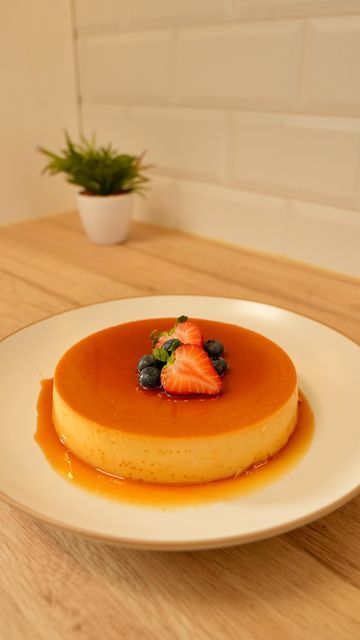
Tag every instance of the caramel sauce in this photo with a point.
(104, 485)
(97, 378)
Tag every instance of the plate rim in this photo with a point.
(180, 295)
(179, 544)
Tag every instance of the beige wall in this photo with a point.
(250, 110)
(38, 99)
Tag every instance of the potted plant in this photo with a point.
(108, 181)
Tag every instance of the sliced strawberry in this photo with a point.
(185, 331)
(189, 371)
(163, 338)
(189, 333)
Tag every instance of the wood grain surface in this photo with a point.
(53, 585)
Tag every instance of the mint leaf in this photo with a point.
(161, 354)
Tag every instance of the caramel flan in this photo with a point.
(103, 417)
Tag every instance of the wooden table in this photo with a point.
(53, 585)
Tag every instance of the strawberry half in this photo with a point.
(189, 371)
(184, 330)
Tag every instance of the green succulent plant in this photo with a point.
(99, 170)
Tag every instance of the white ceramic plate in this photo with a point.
(328, 365)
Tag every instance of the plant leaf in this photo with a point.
(100, 170)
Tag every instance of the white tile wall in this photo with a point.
(156, 12)
(168, 134)
(296, 156)
(249, 109)
(101, 15)
(255, 65)
(250, 220)
(331, 79)
(325, 236)
(161, 204)
(134, 66)
(252, 9)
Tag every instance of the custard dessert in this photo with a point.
(231, 421)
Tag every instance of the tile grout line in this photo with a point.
(76, 62)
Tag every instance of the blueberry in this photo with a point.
(220, 365)
(149, 377)
(149, 361)
(214, 348)
(171, 345)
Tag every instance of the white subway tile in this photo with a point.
(160, 205)
(100, 15)
(324, 236)
(185, 142)
(253, 65)
(252, 9)
(160, 12)
(252, 221)
(136, 66)
(305, 157)
(331, 74)
(242, 218)
(109, 124)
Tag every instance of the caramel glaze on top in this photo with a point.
(97, 377)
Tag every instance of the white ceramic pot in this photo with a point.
(106, 219)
